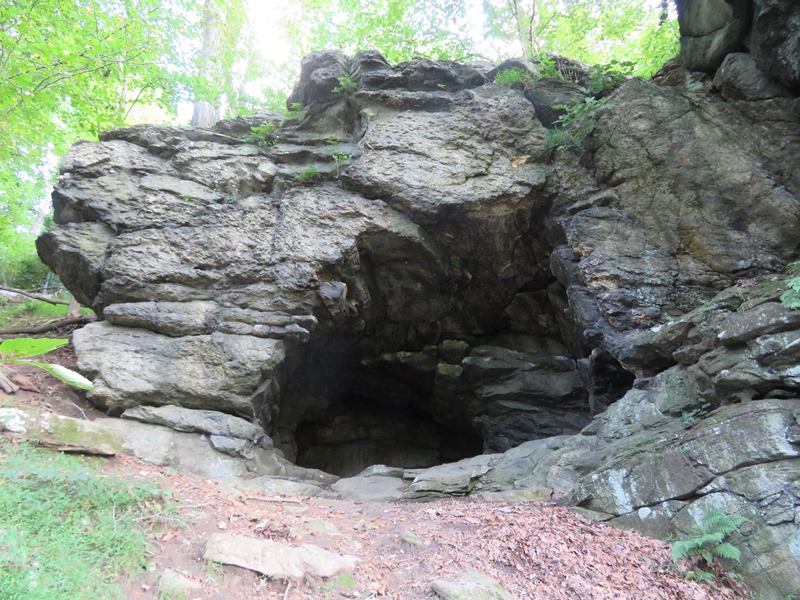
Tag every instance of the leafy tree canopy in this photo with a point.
(69, 69)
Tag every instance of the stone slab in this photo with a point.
(275, 559)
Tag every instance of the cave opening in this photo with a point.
(344, 407)
(355, 435)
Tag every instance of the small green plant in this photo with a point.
(706, 306)
(578, 121)
(790, 298)
(441, 86)
(346, 86)
(189, 199)
(332, 141)
(19, 351)
(214, 572)
(690, 416)
(604, 79)
(338, 158)
(709, 543)
(515, 77)
(295, 111)
(308, 175)
(67, 532)
(548, 69)
(263, 135)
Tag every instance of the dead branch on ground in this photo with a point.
(47, 299)
(49, 325)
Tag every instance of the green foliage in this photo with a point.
(339, 158)
(604, 79)
(706, 306)
(263, 135)
(399, 29)
(19, 351)
(595, 31)
(790, 298)
(515, 77)
(71, 69)
(66, 532)
(295, 111)
(20, 267)
(32, 312)
(346, 86)
(709, 542)
(309, 174)
(690, 416)
(577, 123)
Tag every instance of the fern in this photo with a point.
(790, 298)
(709, 542)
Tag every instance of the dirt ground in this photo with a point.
(536, 550)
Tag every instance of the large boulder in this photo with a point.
(410, 274)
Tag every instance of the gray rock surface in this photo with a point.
(370, 489)
(212, 422)
(194, 453)
(58, 432)
(274, 559)
(471, 586)
(173, 586)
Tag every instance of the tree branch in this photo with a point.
(49, 325)
(34, 296)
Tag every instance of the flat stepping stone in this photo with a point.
(472, 586)
(370, 488)
(172, 584)
(274, 559)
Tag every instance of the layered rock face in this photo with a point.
(406, 274)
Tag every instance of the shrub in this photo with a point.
(604, 79)
(295, 111)
(21, 267)
(346, 86)
(576, 123)
(515, 77)
(263, 135)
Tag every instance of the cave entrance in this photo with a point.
(356, 434)
(343, 409)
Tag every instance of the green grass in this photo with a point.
(67, 533)
(31, 311)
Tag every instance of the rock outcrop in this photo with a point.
(408, 274)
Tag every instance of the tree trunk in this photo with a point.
(663, 16)
(205, 114)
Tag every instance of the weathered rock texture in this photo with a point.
(407, 275)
